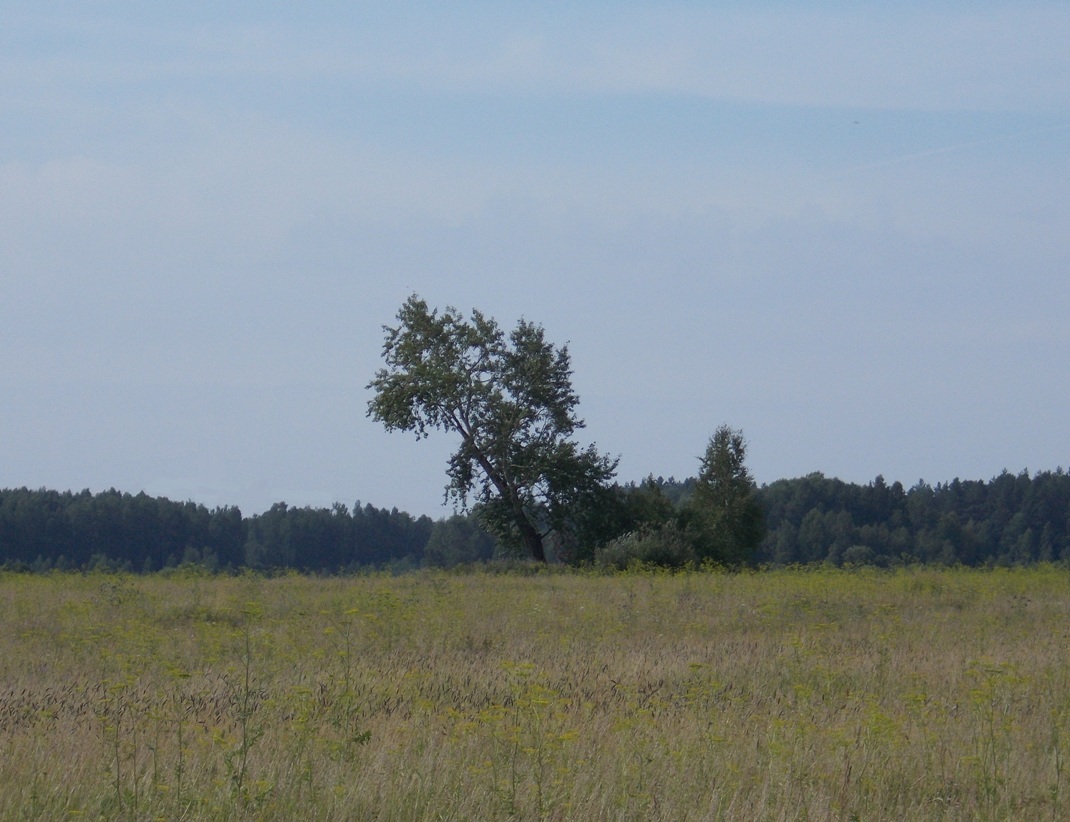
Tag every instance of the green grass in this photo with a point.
(914, 694)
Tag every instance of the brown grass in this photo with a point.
(917, 694)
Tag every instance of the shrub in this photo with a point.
(859, 555)
(662, 545)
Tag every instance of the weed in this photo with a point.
(780, 695)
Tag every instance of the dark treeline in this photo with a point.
(1011, 519)
(43, 529)
(335, 539)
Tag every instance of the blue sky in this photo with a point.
(843, 228)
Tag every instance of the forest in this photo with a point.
(43, 529)
(1012, 519)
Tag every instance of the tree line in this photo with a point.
(45, 529)
(524, 487)
(1012, 519)
(1009, 520)
(509, 399)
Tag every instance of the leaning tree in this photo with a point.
(510, 399)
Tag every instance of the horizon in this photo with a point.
(449, 510)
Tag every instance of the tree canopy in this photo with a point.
(510, 399)
(713, 518)
(1012, 519)
(724, 505)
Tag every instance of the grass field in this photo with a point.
(914, 694)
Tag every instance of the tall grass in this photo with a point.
(920, 694)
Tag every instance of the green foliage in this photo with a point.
(859, 555)
(43, 529)
(510, 399)
(47, 530)
(718, 519)
(1010, 520)
(334, 539)
(665, 546)
(458, 540)
(723, 514)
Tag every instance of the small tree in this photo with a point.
(511, 401)
(723, 512)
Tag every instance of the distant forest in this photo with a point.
(1009, 520)
(40, 530)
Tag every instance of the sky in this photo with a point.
(843, 228)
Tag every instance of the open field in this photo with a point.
(915, 694)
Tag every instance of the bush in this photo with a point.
(859, 555)
(663, 545)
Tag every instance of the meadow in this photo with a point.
(781, 695)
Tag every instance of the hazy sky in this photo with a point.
(843, 228)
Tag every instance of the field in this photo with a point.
(914, 694)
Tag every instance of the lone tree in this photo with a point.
(724, 510)
(511, 401)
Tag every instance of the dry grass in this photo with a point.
(919, 694)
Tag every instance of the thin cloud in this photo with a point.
(958, 147)
(981, 57)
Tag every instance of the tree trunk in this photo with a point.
(528, 534)
(532, 540)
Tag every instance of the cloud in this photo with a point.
(1011, 57)
(974, 56)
